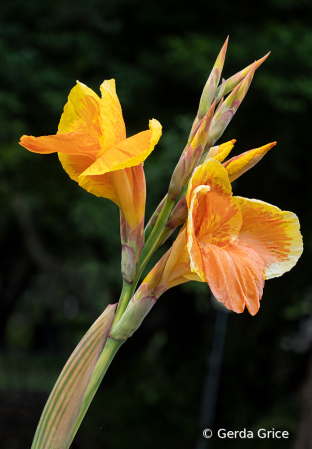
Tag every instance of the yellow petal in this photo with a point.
(81, 112)
(127, 153)
(220, 152)
(242, 163)
(112, 122)
(210, 173)
(273, 233)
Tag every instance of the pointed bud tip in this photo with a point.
(260, 61)
(269, 146)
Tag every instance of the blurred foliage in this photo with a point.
(60, 251)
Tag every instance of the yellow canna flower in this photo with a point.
(93, 149)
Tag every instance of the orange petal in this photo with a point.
(273, 233)
(126, 188)
(214, 217)
(235, 275)
(74, 165)
(112, 122)
(210, 173)
(102, 186)
(81, 112)
(70, 143)
(127, 153)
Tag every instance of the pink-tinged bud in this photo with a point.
(201, 135)
(220, 152)
(221, 57)
(221, 91)
(132, 318)
(128, 263)
(225, 113)
(211, 85)
(242, 163)
(132, 237)
(178, 214)
(234, 80)
(184, 169)
(218, 127)
(236, 97)
(208, 94)
(177, 177)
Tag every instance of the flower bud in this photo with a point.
(128, 264)
(132, 318)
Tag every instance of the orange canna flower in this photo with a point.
(232, 243)
(93, 149)
(235, 243)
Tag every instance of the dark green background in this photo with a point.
(59, 245)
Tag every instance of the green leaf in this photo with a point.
(56, 427)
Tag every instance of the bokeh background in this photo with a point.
(59, 245)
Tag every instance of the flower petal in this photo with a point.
(240, 164)
(74, 165)
(273, 233)
(101, 185)
(127, 153)
(68, 143)
(235, 275)
(214, 217)
(112, 122)
(210, 173)
(81, 112)
(220, 152)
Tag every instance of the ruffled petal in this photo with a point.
(127, 153)
(273, 233)
(73, 143)
(112, 122)
(195, 217)
(220, 214)
(210, 173)
(81, 112)
(235, 275)
(214, 217)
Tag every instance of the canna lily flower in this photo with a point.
(93, 149)
(235, 243)
(232, 243)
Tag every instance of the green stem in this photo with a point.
(154, 239)
(101, 367)
(125, 296)
(128, 290)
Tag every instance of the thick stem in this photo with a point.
(125, 296)
(101, 367)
